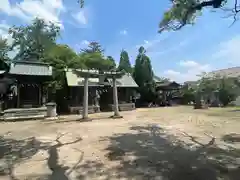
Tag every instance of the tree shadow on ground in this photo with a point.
(231, 138)
(148, 152)
(60, 172)
(14, 151)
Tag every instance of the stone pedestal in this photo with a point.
(51, 109)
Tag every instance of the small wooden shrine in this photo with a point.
(25, 88)
(169, 92)
(100, 91)
(29, 83)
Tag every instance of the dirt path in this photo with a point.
(144, 145)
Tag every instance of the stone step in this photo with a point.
(14, 118)
(24, 113)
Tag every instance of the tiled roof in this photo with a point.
(30, 68)
(229, 72)
(125, 81)
(74, 80)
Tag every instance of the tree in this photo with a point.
(93, 58)
(3, 49)
(60, 57)
(143, 75)
(112, 62)
(33, 40)
(93, 47)
(184, 12)
(223, 88)
(124, 63)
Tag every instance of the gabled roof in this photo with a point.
(74, 80)
(125, 81)
(30, 68)
(233, 72)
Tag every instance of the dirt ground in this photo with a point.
(173, 143)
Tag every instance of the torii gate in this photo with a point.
(114, 75)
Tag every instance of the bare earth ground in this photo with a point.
(174, 143)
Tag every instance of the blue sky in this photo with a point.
(126, 24)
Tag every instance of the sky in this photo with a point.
(210, 44)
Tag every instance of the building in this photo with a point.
(100, 92)
(232, 73)
(25, 91)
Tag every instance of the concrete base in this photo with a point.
(51, 118)
(116, 117)
(84, 119)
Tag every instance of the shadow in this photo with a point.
(14, 151)
(150, 153)
(80, 120)
(235, 110)
(146, 152)
(59, 172)
(231, 138)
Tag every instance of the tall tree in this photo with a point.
(112, 62)
(93, 58)
(93, 47)
(140, 74)
(33, 40)
(124, 63)
(143, 75)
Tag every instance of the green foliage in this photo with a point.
(93, 47)
(112, 63)
(97, 61)
(183, 12)
(143, 75)
(33, 40)
(226, 89)
(188, 94)
(3, 49)
(124, 63)
(94, 58)
(61, 57)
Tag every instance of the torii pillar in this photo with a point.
(114, 76)
(85, 99)
(115, 99)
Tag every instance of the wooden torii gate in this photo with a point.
(86, 74)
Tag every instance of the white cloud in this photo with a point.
(191, 71)
(188, 63)
(146, 42)
(82, 44)
(80, 17)
(123, 32)
(49, 10)
(85, 42)
(228, 51)
(4, 32)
